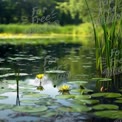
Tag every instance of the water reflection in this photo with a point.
(17, 98)
(47, 84)
(59, 62)
(37, 59)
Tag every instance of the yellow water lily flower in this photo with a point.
(40, 76)
(64, 88)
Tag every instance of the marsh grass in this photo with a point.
(27, 29)
(111, 39)
(34, 29)
(85, 29)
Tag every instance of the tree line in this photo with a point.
(35, 11)
(54, 11)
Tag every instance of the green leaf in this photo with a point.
(77, 82)
(35, 95)
(85, 101)
(112, 114)
(65, 109)
(98, 95)
(28, 101)
(97, 79)
(49, 114)
(29, 109)
(118, 101)
(65, 96)
(112, 95)
(80, 108)
(79, 97)
(105, 106)
(3, 97)
(106, 95)
(5, 106)
(105, 79)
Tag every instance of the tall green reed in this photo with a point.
(110, 42)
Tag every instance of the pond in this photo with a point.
(67, 66)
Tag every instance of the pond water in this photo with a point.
(61, 63)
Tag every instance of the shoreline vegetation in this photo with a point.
(45, 39)
(37, 30)
(34, 33)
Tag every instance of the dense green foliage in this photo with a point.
(24, 11)
(108, 45)
(47, 29)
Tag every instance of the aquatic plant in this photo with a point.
(105, 107)
(30, 109)
(108, 44)
(40, 76)
(113, 114)
(64, 88)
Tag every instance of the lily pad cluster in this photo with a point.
(30, 109)
(35, 95)
(5, 106)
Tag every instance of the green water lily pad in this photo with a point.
(13, 74)
(28, 91)
(10, 81)
(23, 86)
(55, 71)
(97, 79)
(84, 102)
(81, 91)
(87, 90)
(79, 97)
(29, 109)
(106, 95)
(77, 82)
(112, 95)
(45, 101)
(118, 101)
(102, 79)
(5, 69)
(90, 102)
(35, 95)
(80, 108)
(105, 79)
(28, 101)
(5, 106)
(65, 109)
(49, 114)
(7, 90)
(112, 114)
(3, 97)
(105, 106)
(98, 94)
(65, 96)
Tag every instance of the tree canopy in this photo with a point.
(63, 11)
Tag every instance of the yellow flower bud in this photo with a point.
(40, 76)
